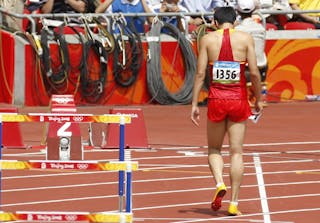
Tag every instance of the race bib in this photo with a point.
(226, 72)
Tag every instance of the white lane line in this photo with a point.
(153, 180)
(225, 201)
(181, 147)
(283, 143)
(226, 153)
(156, 169)
(193, 147)
(233, 218)
(151, 193)
(195, 219)
(245, 145)
(302, 151)
(227, 164)
(59, 187)
(58, 200)
(205, 155)
(52, 174)
(24, 154)
(262, 189)
(150, 180)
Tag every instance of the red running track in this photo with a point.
(281, 183)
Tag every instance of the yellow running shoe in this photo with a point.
(233, 210)
(217, 199)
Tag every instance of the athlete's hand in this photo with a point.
(195, 115)
(258, 105)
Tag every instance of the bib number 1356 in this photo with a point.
(226, 72)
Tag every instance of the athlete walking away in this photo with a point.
(226, 51)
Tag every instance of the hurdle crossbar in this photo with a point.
(66, 216)
(54, 117)
(68, 165)
(121, 166)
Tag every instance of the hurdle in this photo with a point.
(122, 166)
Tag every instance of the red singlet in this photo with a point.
(227, 96)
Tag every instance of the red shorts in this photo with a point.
(234, 110)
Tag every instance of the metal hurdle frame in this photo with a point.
(121, 173)
(40, 117)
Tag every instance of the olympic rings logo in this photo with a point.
(77, 118)
(82, 166)
(62, 100)
(71, 217)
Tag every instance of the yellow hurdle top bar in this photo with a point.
(55, 117)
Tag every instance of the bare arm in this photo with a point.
(147, 10)
(254, 74)
(179, 19)
(47, 7)
(304, 16)
(174, 8)
(77, 5)
(199, 79)
(103, 6)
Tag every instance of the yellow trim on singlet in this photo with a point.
(221, 30)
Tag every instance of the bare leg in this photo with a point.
(236, 133)
(216, 132)
(215, 135)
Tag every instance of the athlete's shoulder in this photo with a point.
(243, 35)
(209, 36)
(214, 34)
(241, 32)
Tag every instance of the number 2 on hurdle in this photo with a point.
(62, 130)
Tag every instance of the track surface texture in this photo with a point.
(173, 183)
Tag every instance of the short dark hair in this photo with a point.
(225, 15)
